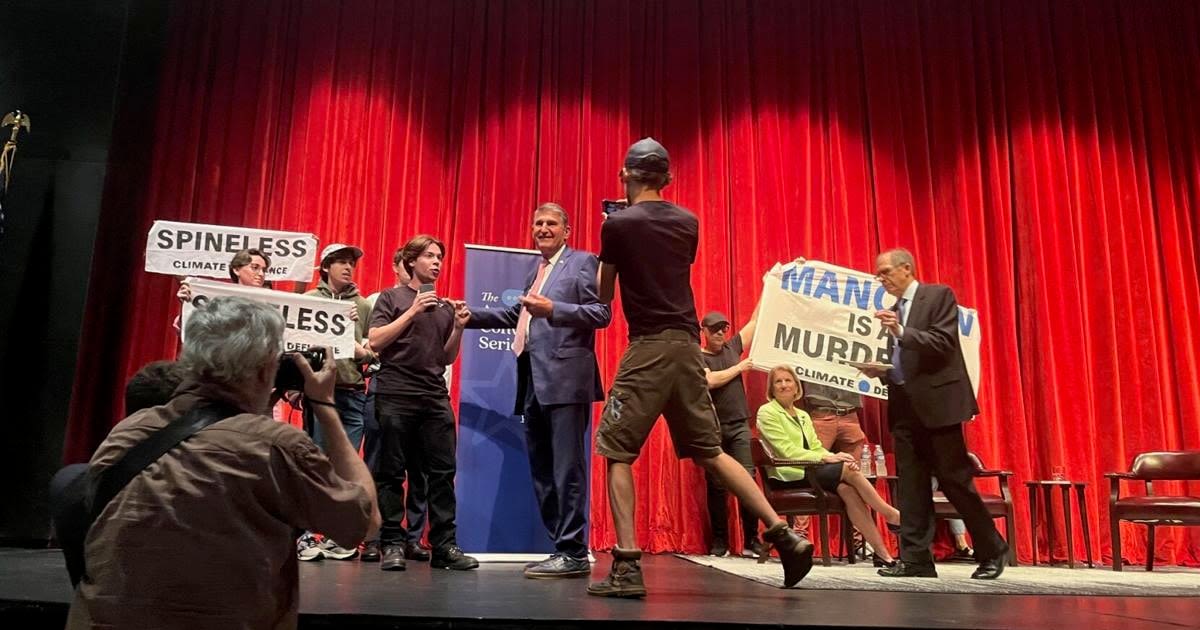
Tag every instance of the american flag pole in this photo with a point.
(15, 119)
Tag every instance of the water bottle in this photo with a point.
(864, 463)
(880, 462)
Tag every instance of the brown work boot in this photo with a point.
(625, 578)
(795, 553)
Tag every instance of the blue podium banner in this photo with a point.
(497, 511)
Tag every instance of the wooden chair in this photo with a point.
(1152, 509)
(793, 500)
(998, 505)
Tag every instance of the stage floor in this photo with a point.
(34, 592)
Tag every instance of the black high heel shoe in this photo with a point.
(881, 563)
(895, 529)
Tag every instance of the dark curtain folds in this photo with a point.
(1039, 157)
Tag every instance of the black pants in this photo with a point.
(735, 440)
(556, 437)
(417, 438)
(416, 502)
(923, 453)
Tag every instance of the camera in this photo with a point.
(289, 378)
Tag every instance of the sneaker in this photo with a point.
(369, 551)
(559, 566)
(625, 578)
(452, 558)
(332, 550)
(753, 549)
(393, 558)
(307, 548)
(719, 548)
(795, 553)
(416, 551)
(530, 565)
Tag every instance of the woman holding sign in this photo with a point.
(790, 433)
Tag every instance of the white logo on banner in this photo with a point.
(818, 315)
(195, 249)
(308, 320)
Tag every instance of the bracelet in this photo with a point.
(314, 401)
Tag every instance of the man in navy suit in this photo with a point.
(557, 382)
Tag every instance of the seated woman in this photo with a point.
(790, 433)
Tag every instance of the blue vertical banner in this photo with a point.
(497, 511)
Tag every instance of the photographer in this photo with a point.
(204, 536)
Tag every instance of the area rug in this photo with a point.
(956, 578)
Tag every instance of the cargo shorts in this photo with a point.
(659, 374)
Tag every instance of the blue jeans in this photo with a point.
(350, 404)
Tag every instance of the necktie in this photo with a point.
(518, 344)
(897, 370)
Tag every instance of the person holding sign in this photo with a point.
(337, 283)
(791, 434)
(248, 268)
(723, 370)
(417, 334)
(929, 397)
(651, 245)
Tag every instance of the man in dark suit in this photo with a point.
(929, 398)
(557, 382)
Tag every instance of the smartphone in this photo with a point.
(428, 288)
(608, 206)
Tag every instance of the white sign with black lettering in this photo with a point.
(308, 321)
(196, 249)
(818, 317)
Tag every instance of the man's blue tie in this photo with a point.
(897, 375)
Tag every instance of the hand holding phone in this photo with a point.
(609, 206)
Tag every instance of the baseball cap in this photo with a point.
(713, 318)
(648, 155)
(337, 247)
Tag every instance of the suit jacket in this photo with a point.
(786, 437)
(935, 374)
(561, 348)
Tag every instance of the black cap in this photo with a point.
(713, 318)
(648, 155)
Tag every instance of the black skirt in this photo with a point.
(828, 476)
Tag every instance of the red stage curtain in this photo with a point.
(1039, 157)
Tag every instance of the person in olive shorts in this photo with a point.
(651, 245)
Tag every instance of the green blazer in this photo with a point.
(786, 434)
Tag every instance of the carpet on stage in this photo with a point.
(956, 578)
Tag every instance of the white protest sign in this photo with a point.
(816, 316)
(197, 249)
(308, 321)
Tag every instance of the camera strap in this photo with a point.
(113, 479)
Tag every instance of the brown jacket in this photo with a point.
(205, 536)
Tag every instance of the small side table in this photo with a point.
(1047, 487)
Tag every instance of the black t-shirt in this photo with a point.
(730, 398)
(653, 245)
(413, 364)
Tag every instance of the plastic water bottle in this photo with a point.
(865, 463)
(880, 462)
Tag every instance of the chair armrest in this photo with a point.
(795, 463)
(993, 473)
(1114, 487)
(1120, 475)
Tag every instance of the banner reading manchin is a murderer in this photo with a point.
(815, 316)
